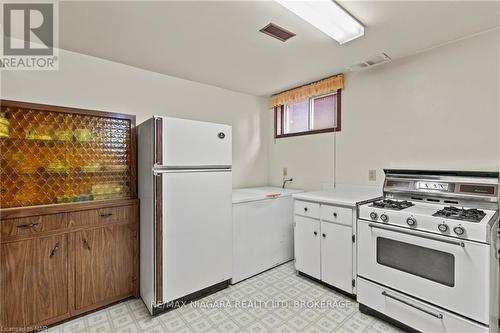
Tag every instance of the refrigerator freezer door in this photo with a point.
(188, 143)
(197, 231)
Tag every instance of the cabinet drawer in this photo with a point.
(414, 313)
(304, 208)
(337, 214)
(102, 216)
(33, 225)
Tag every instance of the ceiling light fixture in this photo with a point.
(328, 17)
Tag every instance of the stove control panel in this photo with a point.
(459, 230)
(443, 227)
(411, 222)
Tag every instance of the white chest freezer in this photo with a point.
(262, 229)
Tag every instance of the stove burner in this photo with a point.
(392, 204)
(455, 213)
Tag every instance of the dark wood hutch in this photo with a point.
(68, 212)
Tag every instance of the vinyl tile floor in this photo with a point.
(278, 301)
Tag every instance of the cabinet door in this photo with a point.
(103, 259)
(307, 246)
(34, 281)
(336, 255)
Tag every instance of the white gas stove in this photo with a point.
(458, 222)
(430, 249)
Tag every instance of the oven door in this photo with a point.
(451, 273)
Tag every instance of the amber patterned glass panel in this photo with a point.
(52, 157)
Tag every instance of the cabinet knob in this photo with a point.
(27, 226)
(324, 235)
(305, 209)
(86, 244)
(315, 233)
(334, 214)
(54, 250)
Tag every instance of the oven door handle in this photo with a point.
(402, 231)
(437, 315)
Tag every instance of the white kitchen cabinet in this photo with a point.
(336, 255)
(336, 214)
(331, 257)
(324, 246)
(308, 209)
(307, 246)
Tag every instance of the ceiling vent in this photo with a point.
(372, 62)
(277, 32)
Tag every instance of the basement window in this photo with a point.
(319, 114)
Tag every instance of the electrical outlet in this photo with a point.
(285, 172)
(372, 175)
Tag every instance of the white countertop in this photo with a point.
(260, 193)
(343, 194)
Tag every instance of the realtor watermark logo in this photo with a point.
(29, 36)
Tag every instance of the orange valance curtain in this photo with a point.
(321, 87)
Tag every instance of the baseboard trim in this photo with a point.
(161, 308)
(343, 292)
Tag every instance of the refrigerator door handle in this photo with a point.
(158, 172)
(189, 167)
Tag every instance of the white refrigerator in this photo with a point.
(185, 186)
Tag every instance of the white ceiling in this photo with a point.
(218, 43)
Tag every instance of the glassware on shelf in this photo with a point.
(117, 167)
(107, 190)
(84, 197)
(58, 167)
(64, 198)
(74, 198)
(83, 134)
(63, 135)
(91, 167)
(36, 171)
(37, 134)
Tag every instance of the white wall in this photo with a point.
(436, 110)
(93, 83)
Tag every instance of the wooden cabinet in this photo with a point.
(307, 246)
(103, 269)
(73, 259)
(34, 281)
(324, 245)
(96, 217)
(68, 212)
(33, 225)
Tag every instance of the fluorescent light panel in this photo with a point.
(328, 17)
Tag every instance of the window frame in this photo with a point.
(281, 109)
